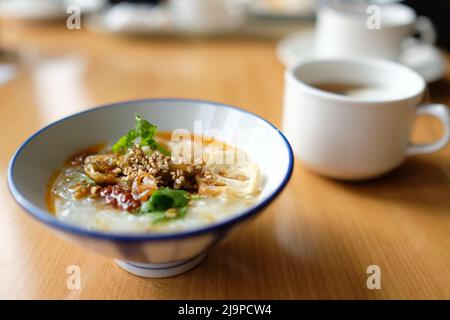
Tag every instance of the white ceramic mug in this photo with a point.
(345, 31)
(350, 137)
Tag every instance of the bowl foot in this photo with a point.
(160, 270)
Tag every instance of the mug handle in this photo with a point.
(426, 30)
(440, 112)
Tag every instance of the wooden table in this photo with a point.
(315, 241)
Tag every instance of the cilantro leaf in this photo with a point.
(165, 198)
(163, 150)
(146, 131)
(143, 130)
(125, 142)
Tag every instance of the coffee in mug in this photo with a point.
(356, 90)
(352, 118)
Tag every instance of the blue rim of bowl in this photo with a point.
(49, 219)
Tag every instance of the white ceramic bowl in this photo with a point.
(153, 255)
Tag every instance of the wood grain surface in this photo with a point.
(315, 241)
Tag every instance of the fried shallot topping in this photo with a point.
(128, 170)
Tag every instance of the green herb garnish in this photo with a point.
(143, 130)
(165, 198)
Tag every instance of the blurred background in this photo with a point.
(67, 55)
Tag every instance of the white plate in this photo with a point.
(132, 19)
(143, 19)
(427, 60)
(33, 10)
